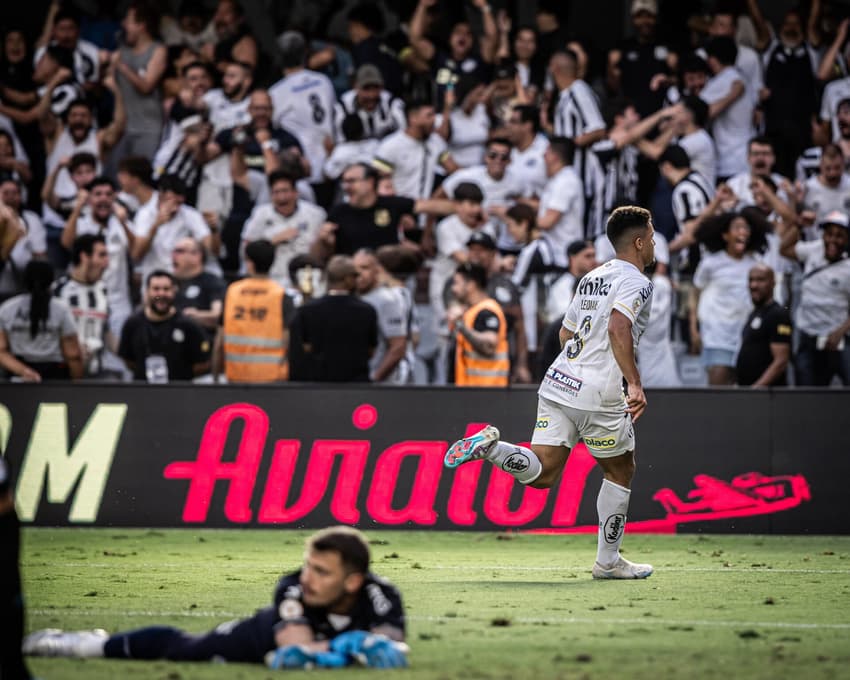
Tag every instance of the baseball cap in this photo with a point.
(650, 6)
(479, 238)
(368, 74)
(837, 218)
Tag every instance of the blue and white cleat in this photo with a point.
(474, 447)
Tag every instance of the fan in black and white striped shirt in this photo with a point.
(83, 290)
(577, 114)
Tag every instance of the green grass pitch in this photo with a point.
(479, 605)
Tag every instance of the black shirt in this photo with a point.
(342, 332)
(766, 325)
(199, 292)
(638, 64)
(369, 227)
(179, 339)
(252, 149)
(378, 604)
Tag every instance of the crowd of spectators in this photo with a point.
(410, 192)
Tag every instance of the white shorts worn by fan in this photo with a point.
(606, 434)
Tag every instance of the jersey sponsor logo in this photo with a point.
(562, 381)
(606, 443)
(589, 305)
(783, 329)
(178, 335)
(595, 286)
(642, 297)
(541, 424)
(516, 462)
(755, 324)
(612, 528)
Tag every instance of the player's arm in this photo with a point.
(564, 336)
(622, 345)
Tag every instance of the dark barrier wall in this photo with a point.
(304, 456)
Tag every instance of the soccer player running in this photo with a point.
(582, 394)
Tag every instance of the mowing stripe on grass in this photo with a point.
(637, 621)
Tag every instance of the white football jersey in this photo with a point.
(304, 104)
(585, 375)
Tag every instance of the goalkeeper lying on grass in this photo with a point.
(331, 613)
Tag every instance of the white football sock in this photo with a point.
(612, 505)
(518, 461)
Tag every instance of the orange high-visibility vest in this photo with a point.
(476, 370)
(254, 334)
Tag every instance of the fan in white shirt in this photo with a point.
(497, 181)
(523, 130)
(561, 210)
(730, 107)
(288, 223)
(720, 301)
(829, 190)
(159, 226)
(304, 103)
(760, 159)
(411, 156)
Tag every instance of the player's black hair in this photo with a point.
(676, 156)
(352, 128)
(473, 272)
(416, 103)
(369, 15)
(722, 48)
(138, 167)
(698, 109)
(38, 275)
(261, 254)
(529, 114)
(85, 244)
(469, 191)
(710, 232)
(623, 222)
(351, 545)
(79, 102)
(101, 180)
(81, 158)
(564, 148)
(174, 184)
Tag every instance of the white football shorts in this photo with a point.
(605, 433)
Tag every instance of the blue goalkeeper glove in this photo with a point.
(297, 657)
(371, 649)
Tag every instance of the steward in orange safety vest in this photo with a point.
(481, 355)
(254, 337)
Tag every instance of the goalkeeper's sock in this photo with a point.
(518, 461)
(612, 504)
